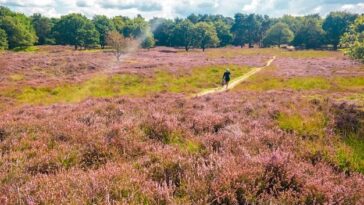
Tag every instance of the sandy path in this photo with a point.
(236, 81)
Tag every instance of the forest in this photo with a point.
(337, 30)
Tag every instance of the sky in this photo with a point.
(181, 8)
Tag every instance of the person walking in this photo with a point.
(226, 78)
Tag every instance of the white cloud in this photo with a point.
(181, 8)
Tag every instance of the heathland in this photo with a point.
(78, 127)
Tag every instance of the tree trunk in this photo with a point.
(203, 49)
(335, 46)
(76, 47)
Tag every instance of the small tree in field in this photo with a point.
(119, 43)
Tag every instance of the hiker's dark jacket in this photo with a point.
(226, 76)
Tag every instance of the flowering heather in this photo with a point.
(282, 146)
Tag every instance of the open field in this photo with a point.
(77, 127)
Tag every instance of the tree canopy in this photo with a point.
(43, 28)
(76, 30)
(103, 25)
(206, 35)
(335, 25)
(353, 40)
(278, 34)
(3, 40)
(195, 31)
(18, 28)
(310, 34)
(184, 33)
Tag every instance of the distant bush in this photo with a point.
(93, 158)
(349, 120)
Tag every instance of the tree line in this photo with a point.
(195, 31)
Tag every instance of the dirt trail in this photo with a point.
(236, 81)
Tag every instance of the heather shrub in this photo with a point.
(275, 181)
(47, 167)
(207, 122)
(125, 146)
(61, 137)
(2, 134)
(169, 172)
(349, 120)
(161, 127)
(93, 157)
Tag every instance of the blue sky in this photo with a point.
(181, 8)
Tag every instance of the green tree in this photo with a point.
(120, 23)
(18, 28)
(278, 34)
(162, 31)
(335, 25)
(206, 35)
(310, 35)
(353, 40)
(87, 36)
(3, 40)
(76, 30)
(43, 28)
(223, 32)
(294, 23)
(246, 29)
(184, 34)
(148, 42)
(265, 24)
(135, 28)
(103, 25)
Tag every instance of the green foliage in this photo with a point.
(264, 83)
(184, 34)
(206, 35)
(278, 34)
(43, 27)
(194, 31)
(223, 33)
(119, 23)
(26, 49)
(103, 25)
(312, 126)
(249, 28)
(353, 40)
(310, 35)
(18, 28)
(353, 155)
(148, 42)
(162, 31)
(294, 23)
(135, 28)
(76, 30)
(88, 36)
(336, 24)
(3, 40)
(128, 84)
